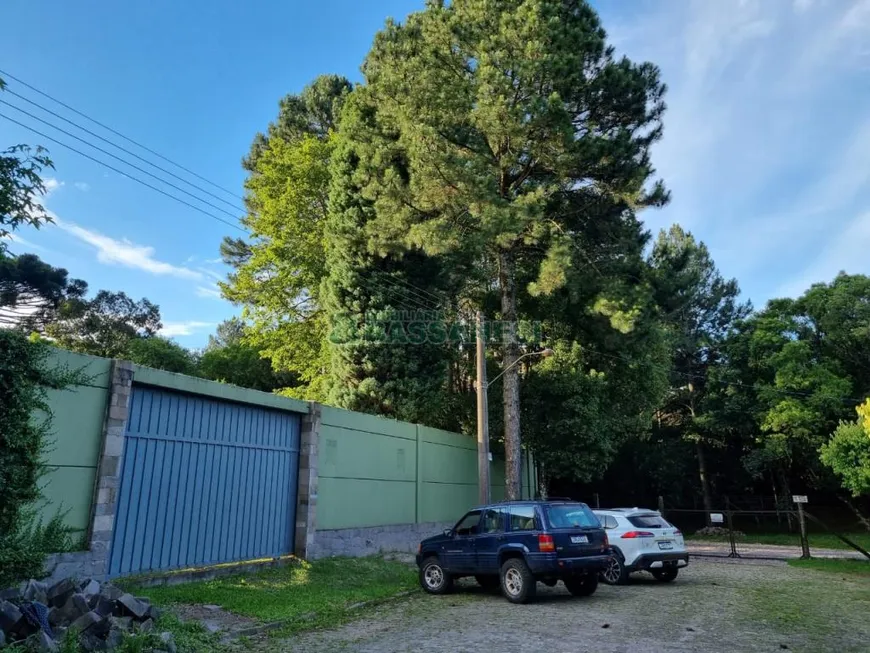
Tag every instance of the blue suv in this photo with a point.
(514, 545)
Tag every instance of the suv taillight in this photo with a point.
(633, 534)
(546, 544)
(678, 532)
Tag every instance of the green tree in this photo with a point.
(21, 186)
(847, 453)
(700, 309)
(161, 354)
(278, 270)
(105, 325)
(507, 121)
(31, 291)
(229, 358)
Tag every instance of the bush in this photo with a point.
(24, 379)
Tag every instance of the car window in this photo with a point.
(648, 521)
(572, 515)
(493, 521)
(523, 518)
(468, 525)
(608, 521)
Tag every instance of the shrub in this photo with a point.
(25, 421)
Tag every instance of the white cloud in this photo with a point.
(15, 238)
(82, 186)
(51, 184)
(846, 252)
(173, 329)
(209, 292)
(212, 273)
(128, 254)
(766, 135)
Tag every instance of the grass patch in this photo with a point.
(850, 567)
(818, 540)
(809, 607)
(303, 595)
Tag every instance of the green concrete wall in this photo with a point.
(372, 471)
(76, 434)
(375, 472)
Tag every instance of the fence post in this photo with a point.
(662, 505)
(731, 539)
(805, 544)
(597, 501)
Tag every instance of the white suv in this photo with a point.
(641, 541)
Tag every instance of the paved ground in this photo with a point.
(712, 606)
(767, 551)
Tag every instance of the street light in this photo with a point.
(482, 409)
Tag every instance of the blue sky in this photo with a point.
(766, 148)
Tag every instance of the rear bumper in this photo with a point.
(661, 560)
(550, 565)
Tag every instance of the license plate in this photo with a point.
(666, 545)
(579, 539)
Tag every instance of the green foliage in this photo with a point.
(230, 359)
(847, 453)
(162, 354)
(24, 378)
(105, 325)
(21, 187)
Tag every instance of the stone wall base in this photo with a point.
(356, 542)
(79, 565)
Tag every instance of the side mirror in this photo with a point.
(448, 532)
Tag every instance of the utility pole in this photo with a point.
(482, 416)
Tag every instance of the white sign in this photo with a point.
(490, 457)
(799, 498)
(717, 518)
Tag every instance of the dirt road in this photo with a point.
(712, 606)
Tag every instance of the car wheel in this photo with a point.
(615, 573)
(582, 586)
(517, 583)
(488, 583)
(665, 575)
(433, 578)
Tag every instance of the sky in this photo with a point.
(766, 148)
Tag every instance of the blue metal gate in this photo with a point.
(204, 481)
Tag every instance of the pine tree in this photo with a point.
(509, 120)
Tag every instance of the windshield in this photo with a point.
(572, 515)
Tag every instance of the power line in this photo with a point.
(121, 172)
(123, 149)
(116, 157)
(117, 133)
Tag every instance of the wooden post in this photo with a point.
(662, 505)
(805, 544)
(597, 501)
(731, 539)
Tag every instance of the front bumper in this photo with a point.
(661, 560)
(550, 565)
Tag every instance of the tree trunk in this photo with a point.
(511, 388)
(705, 480)
(543, 481)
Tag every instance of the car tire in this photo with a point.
(583, 585)
(615, 573)
(433, 578)
(517, 583)
(665, 575)
(489, 583)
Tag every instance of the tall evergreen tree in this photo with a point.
(700, 308)
(509, 121)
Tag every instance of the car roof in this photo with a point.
(626, 512)
(530, 502)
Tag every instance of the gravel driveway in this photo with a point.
(712, 606)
